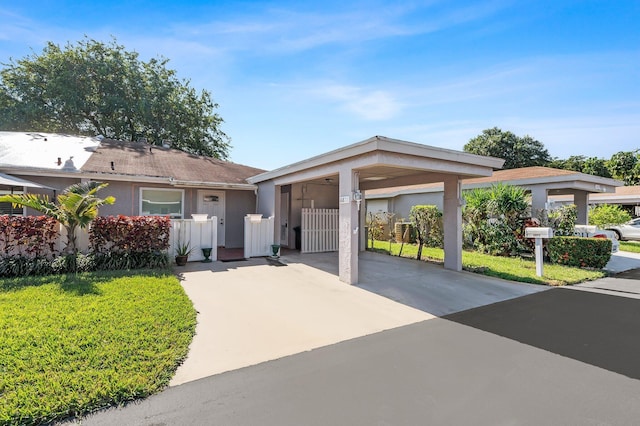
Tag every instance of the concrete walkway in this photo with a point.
(625, 278)
(252, 311)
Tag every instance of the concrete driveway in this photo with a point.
(558, 357)
(549, 357)
(253, 311)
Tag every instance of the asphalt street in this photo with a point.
(556, 357)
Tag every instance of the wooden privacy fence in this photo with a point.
(199, 234)
(320, 230)
(258, 235)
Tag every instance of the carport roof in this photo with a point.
(524, 176)
(394, 163)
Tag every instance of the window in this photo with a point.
(161, 202)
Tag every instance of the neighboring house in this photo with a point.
(542, 183)
(145, 179)
(624, 196)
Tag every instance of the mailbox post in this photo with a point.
(538, 234)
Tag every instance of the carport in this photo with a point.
(378, 162)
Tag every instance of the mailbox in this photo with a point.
(539, 232)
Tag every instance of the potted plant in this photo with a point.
(182, 253)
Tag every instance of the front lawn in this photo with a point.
(632, 246)
(508, 268)
(70, 344)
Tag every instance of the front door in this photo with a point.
(212, 203)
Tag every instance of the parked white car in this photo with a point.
(627, 231)
(593, 232)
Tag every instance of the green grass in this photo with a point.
(508, 268)
(632, 246)
(70, 344)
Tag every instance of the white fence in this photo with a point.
(258, 235)
(320, 230)
(199, 234)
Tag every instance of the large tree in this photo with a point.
(625, 166)
(579, 163)
(516, 151)
(98, 88)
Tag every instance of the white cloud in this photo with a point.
(281, 31)
(367, 104)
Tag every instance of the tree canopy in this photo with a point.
(97, 88)
(625, 166)
(517, 151)
(579, 163)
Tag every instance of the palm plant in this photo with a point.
(77, 205)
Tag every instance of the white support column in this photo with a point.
(452, 215)
(363, 221)
(538, 199)
(348, 245)
(581, 200)
(276, 213)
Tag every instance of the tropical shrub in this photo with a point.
(579, 251)
(116, 243)
(606, 215)
(563, 220)
(494, 218)
(76, 206)
(130, 234)
(29, 237)
(427, 220)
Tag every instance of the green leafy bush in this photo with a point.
(427, 220)
(606, 215)
(581, 252)
(494, 218)
(133, 260)
(563, 220)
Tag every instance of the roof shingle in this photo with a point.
(142, 159)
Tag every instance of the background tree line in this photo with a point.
(526, 152)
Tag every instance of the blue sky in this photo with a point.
(296, 79)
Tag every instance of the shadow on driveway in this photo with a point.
(598, 329)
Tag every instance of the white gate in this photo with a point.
(258, 235)
(320, 230)
(198, 233)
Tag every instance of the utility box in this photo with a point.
(538, 232)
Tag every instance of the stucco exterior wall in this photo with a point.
(266, 199)
(323, 196)
(57, 183)
(401, 205)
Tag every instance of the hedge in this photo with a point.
(117, 243)
(579, 251)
